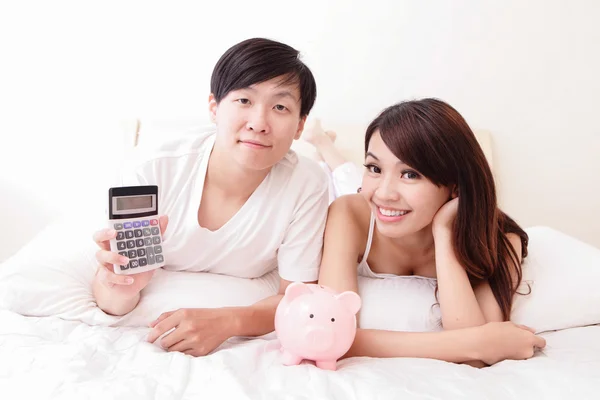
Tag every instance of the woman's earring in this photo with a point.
(358, 190)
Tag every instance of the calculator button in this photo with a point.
(153, 222)
(130, 244)
(148, 242)
(127, 225)
(139, 242)
(157, 249)
(138, 233)
(121, 245)
(134, 264)
(155, 240)
(147, 232)
(118, 226)
(120, 235)
(123, 253)
(131, 254)
(137, 224)
(129, 234)
(124, 267)
(143, 262)
(141, 252)
(150, 251)
(159, 259)
(151, 260)
(155, 231)
(145, 222)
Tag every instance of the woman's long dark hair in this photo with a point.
(432, 137)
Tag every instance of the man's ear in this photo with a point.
(212, 108)
(300, 128)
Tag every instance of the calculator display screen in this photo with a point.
(132, 203)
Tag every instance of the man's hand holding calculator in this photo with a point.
(130, 248)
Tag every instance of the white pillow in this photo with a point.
(52, 276)
(400, 303)
(171, 290)
(564, 275)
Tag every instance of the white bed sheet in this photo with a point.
(47, 357)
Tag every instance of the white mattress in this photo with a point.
(49, 357)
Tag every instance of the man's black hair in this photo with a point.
(258, 60)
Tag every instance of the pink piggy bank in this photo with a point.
(316, 323)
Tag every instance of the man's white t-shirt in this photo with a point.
(280, 226)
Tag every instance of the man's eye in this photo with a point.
(373, 168)
(279, 107)
(244, 101)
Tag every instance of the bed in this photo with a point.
(55, 343)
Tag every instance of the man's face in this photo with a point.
(258, 124)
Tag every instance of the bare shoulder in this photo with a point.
(515, 240)
(350, 213)
(353, 207)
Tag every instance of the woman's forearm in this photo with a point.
(458, 304)
(456, 346)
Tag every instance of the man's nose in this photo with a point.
(257, 121)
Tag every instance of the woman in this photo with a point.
(427, 208)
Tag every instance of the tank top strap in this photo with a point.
(370, 239)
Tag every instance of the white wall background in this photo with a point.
(525, 71)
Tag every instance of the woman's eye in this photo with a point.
(244, 101)
(373, 168)
(279, 107)
(410, 175)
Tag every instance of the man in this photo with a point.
(238, 201)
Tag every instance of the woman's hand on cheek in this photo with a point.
(444, 218)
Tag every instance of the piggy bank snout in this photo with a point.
(319, 338)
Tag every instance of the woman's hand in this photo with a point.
(500, 341)
(444, 218)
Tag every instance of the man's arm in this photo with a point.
(259, 318)
(117, 294)
(109, 300)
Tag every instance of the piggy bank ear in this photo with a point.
(296, 289)
(350, 300)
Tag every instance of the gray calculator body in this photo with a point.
(133, 213)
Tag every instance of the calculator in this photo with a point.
(133, 213)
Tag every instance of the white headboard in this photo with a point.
(350, 138)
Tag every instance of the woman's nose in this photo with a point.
(388, 190)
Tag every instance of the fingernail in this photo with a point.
(124, 260)
(129, 281)
(111, 232)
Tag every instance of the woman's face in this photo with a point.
(403, 200)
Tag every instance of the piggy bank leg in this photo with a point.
(289, 358)
(329, 365)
